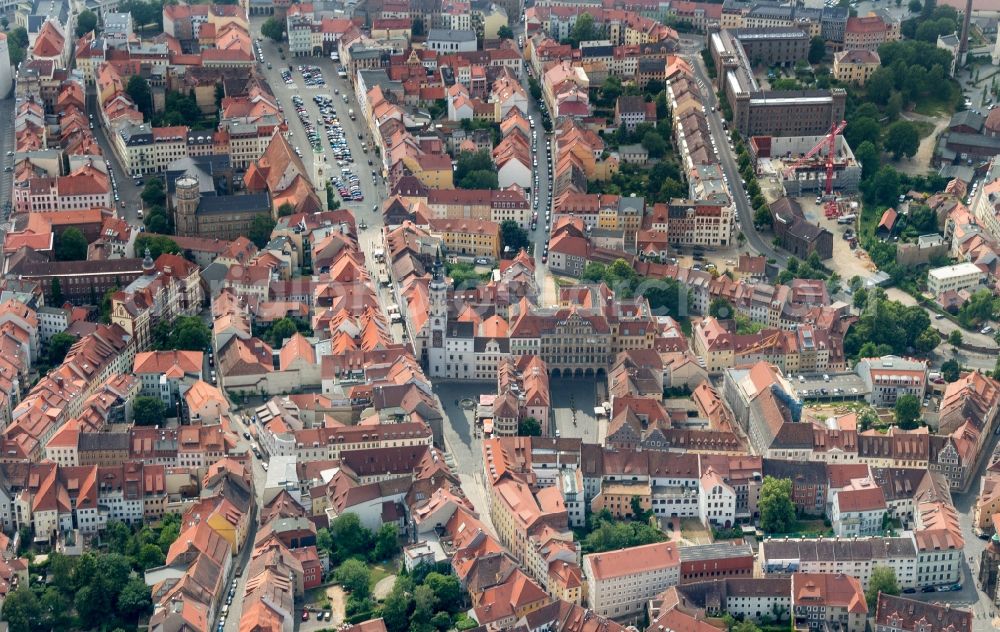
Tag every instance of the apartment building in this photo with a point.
(468, 237)
(855, 557)
(858, 509)
(822, 601)
(168, 374)
(620, 583)
(855, 66)
(962, 276)
(903, 614)
(889, 377)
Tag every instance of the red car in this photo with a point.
(305, 615)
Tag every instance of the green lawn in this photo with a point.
(933, 105)
(806, 528)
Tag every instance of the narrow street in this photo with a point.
(744, 213)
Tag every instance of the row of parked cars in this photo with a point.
(313, 76)
(334, 130)
(348, 185)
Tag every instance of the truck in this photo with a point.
(350, 113)
(847, 219)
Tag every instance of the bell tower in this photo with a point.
(438, 289)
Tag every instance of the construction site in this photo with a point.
(808, 165)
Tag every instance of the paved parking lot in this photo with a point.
(840, 386)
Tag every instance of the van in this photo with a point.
(826, 377)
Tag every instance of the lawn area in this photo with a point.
(806, 528)
(924, 128)
(381, 571)
(935, 106)
(317, 597)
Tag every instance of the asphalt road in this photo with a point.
(744, 212)
(540, 236)
(370, 238)
(127, 190)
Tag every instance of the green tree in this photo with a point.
(883, 580)
(71, 245)
(950, 370)
(504, 32)
(157, 245)
(721, 308)
(777, 513)
(17, 44)
(354, 576)
(188, 333)
(927, 341)
(417, 28)
(57, 609)
(529, 427)
(386, 542)
(955, 338)
(534, 88)
(914, 6)
(349, 535)
(396, 607)
(135, 599)
(21, 609)
(86, 22)
(654, 144)
(281, 330)
(513, 239)
(907, 411)
(260, 230)
(148, 411)
(59, 346)
(817, 50)
(153, 192)
(149, 556)
(583, 30)
(56, 294)
(744, 626)
(424, 602)
(138, 90)
(447, 591)
(286, 209)
(762, 217)
(868, 156)
(902, 139)
(274, 29)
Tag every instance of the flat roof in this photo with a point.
(714, 552)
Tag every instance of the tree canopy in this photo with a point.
(86, 22)
(138, 90)
(529, 427)
(475, 170)
(513, 239)
(71, 245)
(902, 139)
(608, 534)
(148, 411)
(882, 580)
(157, 245)
(59, 345)
(260, 230)
(777, 513)
(886, 327)
(187, 333)
(907, 411)
(274, 29)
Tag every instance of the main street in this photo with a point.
(127, 190)
(744, 212)
(374, 191)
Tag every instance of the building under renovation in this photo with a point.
(800, 163)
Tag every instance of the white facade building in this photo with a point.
(621, 582)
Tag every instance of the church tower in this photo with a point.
(438, 289)
(187, 197)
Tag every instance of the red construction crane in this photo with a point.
(830, 142)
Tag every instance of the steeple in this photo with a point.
(148, 266)
(437, 277)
